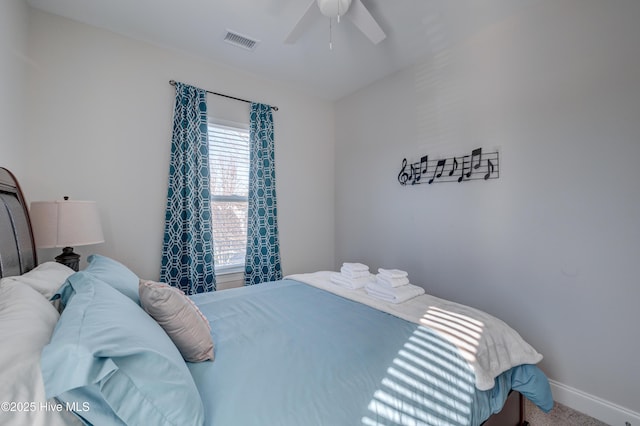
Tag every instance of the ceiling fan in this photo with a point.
(352, 9)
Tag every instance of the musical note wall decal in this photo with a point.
(454, 167)
(415, 173)
(424, 160)
(476, 153)
(490, 169)
(440, 165)
(464, 167)
(460, 168)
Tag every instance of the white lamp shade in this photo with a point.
(65, 223)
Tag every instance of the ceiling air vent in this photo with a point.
(240, 40)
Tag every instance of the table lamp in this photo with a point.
(66, 223)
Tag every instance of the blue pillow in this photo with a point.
(114, 364)
(115, 274)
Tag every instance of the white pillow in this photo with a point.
(27, 321)
(45, 278)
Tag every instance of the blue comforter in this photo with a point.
(290, 354)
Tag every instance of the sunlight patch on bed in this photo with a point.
(430, 381)
(451, 398)
(441, 362)
(461, 330)
(435, 344)
(403, 413)
(435, 400)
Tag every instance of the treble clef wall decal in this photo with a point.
(403, 176)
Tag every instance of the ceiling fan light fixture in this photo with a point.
(354, 10)
(333, 8)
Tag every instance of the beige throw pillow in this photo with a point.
(180, 318)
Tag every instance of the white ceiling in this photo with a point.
(414, 28)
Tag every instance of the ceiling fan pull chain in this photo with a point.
(330, 35)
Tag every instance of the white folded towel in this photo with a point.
(386, 281)
(354, 267)
(393, 294)
(350, 283)
(392, 273)
(354, 274)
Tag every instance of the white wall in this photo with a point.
(552, 246)
(103, 106)
(13, 62)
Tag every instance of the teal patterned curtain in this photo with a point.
(263, 248)
(187, 252)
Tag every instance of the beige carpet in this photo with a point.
(560, 415)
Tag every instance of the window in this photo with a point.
(229, 164)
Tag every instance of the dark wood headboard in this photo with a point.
(17, 248)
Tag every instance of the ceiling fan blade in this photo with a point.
(361, 18)
(307, 18)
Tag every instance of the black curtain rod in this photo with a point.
(275, 108)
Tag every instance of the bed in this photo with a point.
(292, 352)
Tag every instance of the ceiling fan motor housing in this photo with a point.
(333, 8)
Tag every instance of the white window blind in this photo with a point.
(229, 164)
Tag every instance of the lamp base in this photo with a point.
(69, 258)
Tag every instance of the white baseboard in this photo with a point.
(593, 406)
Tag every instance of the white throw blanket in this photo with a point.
(489, 345)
